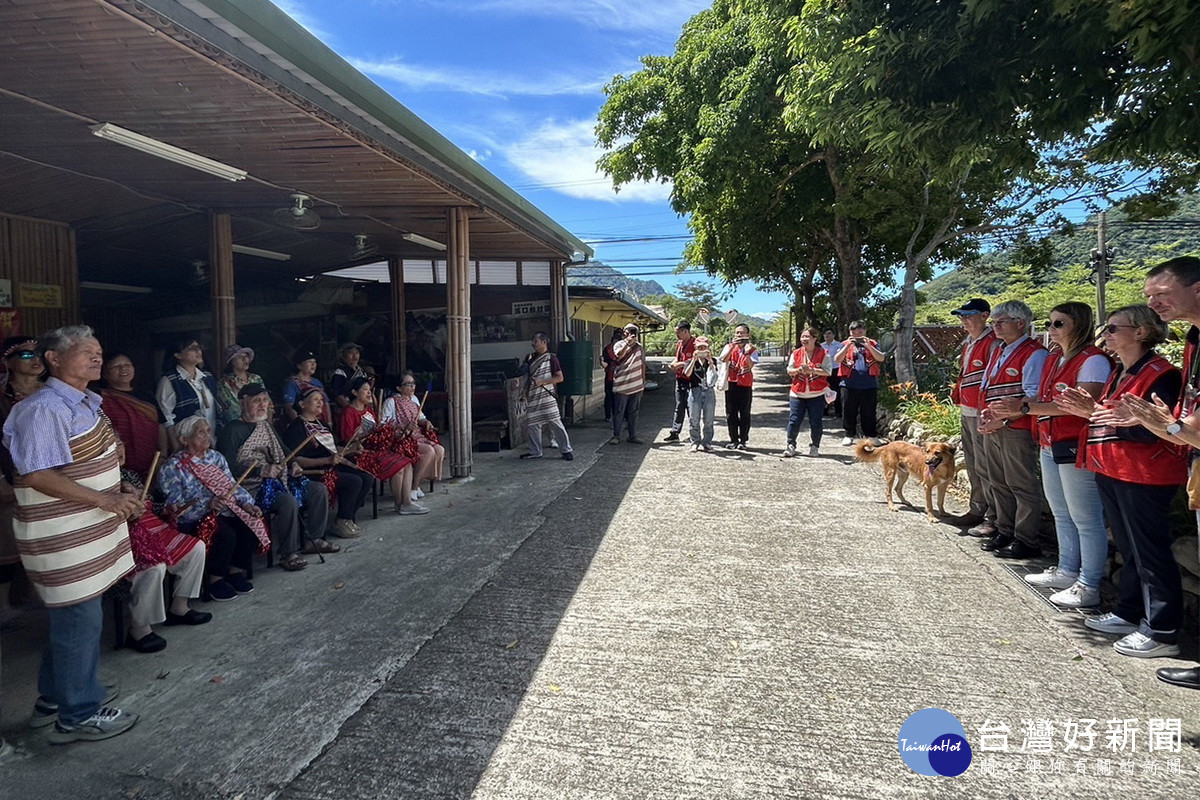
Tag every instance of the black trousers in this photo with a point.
(737, 412)
(610, 399)
(1150, 592)
(860, 403)
(352, 490)
(233, 545)
(683, 390)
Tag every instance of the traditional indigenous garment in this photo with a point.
(541, 404)
(8, 542)
(190, 481)
(73, 552)
(227, 395)
(406, 413)
(244, 443)
(181, 395)
(385, 452)
(154, 540)
(135, 419)
(294, 387)
(321, 445)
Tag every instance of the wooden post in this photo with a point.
(399, 311)
(458, 325)
(220, 282)
(558, 312)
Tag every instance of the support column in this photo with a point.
(558, 303)
(220, 282)
(399, 311)
(458, 352)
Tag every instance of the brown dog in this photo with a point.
(933, 464)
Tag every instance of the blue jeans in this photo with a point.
(702, 406)
(814, 409)
(69, 673)
(1078, 512)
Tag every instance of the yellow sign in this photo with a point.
(41, 295)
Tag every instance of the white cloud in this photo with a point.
(297, 11)
(430, 78)
(562, 157)
(619, 15)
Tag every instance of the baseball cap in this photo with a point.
(976, 305)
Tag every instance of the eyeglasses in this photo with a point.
(1055, 323)
(1002, 320)
(409, 383)
(1112, 327)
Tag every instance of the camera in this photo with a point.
(860, 341)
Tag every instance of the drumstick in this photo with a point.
(150, 475)
(299, 447)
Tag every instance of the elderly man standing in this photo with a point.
(1172, 291)
(977, 351)
(1010, 452)
(629, 381)
(71, 531)
(684, 347)
(250, 440)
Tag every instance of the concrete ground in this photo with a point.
(642, 622)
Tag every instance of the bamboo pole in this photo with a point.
(150, 476)
(399, 311)
(220, 262)
(458, 322)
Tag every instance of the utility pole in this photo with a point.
(1101, 258)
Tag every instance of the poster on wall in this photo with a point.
(41, 295)
(6, 298)
(10, 322)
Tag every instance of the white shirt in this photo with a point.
(165, 395)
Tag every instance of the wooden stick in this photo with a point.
(245, 475)
(299, 447)
(150, 475)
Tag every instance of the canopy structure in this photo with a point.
(148, 148)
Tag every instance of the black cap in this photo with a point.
(684, 324)
(251, 390)
(304, 355)
(976, 305)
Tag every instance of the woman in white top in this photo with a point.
(404, 409)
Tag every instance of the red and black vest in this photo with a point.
(1007, 378)
(1157, 463)
(806, 384)
(1188, 400)
(683, 352)
(1057, 379)
(967, 390)
(741, 367)
(846, 368)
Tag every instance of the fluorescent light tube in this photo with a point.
(255, 251)
(113, 133)
(417, 238)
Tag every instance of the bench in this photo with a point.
(490, 434)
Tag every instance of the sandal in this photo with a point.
(293, 563)
(319, 546)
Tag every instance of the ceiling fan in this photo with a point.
(298, 215)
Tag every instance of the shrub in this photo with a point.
(936, 414)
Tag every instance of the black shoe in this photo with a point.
(1018, 550)
(995, 543)
(1187, 678)
(671, 437)
(192, 617)
(150, 643)
(568, 456)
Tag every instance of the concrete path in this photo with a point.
(643, 622)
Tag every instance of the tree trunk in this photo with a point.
(906, 326)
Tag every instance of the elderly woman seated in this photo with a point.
(403, 409)
(385, 454)
(159, 548)
(203, 496)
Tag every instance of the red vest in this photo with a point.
(1185, 408)
(802, 384)
(683, 352)
(974, 360)
(741, 368)
(1008, 379)
(846, 368)
(1157, 463)
(1055, 381)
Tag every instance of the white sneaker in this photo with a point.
(106, 723)
(789, 451)
(418, 494)
(813, 450)
(847, 442)
(1139, 645)
(412, 509)
(1076, 596)
(1052, 578)
(1110, 623)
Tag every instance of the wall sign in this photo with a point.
(41, 295)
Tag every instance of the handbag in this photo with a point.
(1065, 451)
(723, 376)
(830, 395)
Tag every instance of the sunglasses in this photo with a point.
(1055, 323)
(1113, 327)
(408, 383)
(25, 355)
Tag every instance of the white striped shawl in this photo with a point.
(73, 552)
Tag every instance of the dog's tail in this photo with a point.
(866, 450)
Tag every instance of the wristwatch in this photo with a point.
(1025, 407)
(1174, 428)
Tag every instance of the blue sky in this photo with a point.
(517, 84)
